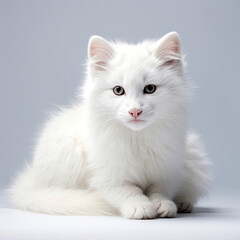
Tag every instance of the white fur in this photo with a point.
(92, 159)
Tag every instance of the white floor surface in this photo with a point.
(217, 218)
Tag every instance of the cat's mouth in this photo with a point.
(136, 120)
(136, 124)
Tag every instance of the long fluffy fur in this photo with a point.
(25, 193)
(92, 160)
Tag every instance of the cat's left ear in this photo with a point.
(100, 52)
(167, 49)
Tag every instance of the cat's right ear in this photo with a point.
(100, 52)
(167, 50)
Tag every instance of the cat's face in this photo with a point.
(135, 84)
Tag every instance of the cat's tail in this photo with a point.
(25, 194)
(197, 175)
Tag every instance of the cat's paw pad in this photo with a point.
(139, 210)
(166, 208)
(185, 207)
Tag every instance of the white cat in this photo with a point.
(124, 149)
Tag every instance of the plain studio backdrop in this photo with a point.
(43, 49)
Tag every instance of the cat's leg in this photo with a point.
(165, 207)
(196, 178)
(130, 201)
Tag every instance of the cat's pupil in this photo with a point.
(118, 89)
(150, 88)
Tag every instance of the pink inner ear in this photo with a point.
(174, 46)
(100, 53)
(168, 50)
(101, 65)
(97, 53)
(169, 46)
(93, 50)
(98, 50)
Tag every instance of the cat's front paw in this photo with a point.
(184, 207)
(139, 210)
(166, 208)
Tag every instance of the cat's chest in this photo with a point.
(140, 162)
(135, 161)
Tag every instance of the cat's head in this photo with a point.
(135, 85)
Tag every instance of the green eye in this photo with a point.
(118, 90)
(149, 89)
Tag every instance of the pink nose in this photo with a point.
(135, 112)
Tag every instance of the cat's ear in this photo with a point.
(100, 52)
(167, 49)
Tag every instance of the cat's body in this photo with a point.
(127, 152)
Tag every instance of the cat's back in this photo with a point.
(64, 122)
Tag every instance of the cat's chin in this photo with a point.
(136, 125)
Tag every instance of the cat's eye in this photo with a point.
(149, 89)
(118, 90)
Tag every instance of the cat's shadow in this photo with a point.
(207, 210)
(199, 212)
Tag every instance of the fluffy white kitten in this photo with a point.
(124, 149)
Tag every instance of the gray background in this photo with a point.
(43, 46)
